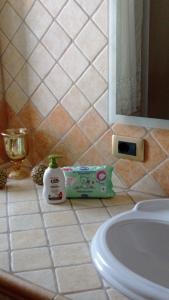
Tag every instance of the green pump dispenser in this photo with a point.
(53, 160)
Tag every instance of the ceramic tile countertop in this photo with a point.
(49, 244)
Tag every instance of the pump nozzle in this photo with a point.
(53, 160)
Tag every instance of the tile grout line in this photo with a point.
(8, 225)
(48, 243)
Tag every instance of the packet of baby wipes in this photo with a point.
(88, 181)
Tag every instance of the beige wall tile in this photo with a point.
(72, 18)
(53, 6)
(56, 33)
(44, 100)
(128, 130)
(149, 185)
(22, 7)
(101, 17)
(15, 97)
(92, 85)
(85, 41)
(38, 19)
(24, 40)
(162, 136)
(12, 60)
(92, 157)
(88, 122)
(138, 196)
(58, 82)
(89, 6)
(15, 21)
(129, 171)
(161, 174)
(2, 3)
(28, 80)
(37, 59)
(4, 42)
(101, 63)
(73, 62)
(75, 103)
(30, 116)
(80, 142)
(154, 155)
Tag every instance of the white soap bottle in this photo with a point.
(54, 182)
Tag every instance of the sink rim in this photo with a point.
(106, 262)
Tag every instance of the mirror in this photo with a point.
(139, 62)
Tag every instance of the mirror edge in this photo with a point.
(112, 116)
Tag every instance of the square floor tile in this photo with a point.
(73, 254)
(60, 218)
(77, 278)
(92, 215)
(4, 261)
(20, 208)
(90, 295)
(28, 239)
(25, 222)
(113, 295)
(64, 235)
(30, 259)
(3, 225)
(2, 210)
(43, 278)
(114, 210)
(3, 196)
(16, 194)
(4, 242)
(45, 207)
(86, 203)
(89, 230)
(119, 199)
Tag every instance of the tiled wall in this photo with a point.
(54, 57)
(3, 114)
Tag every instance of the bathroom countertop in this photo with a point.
(49, 244)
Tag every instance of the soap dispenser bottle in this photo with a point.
(54, 182)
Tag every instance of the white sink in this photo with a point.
(131, 251)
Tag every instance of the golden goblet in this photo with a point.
(16, 147)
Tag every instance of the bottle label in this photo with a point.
(55, 189)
